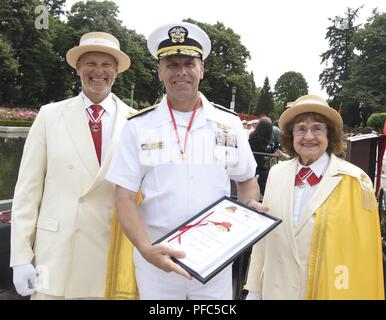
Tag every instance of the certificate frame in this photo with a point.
(230, 255)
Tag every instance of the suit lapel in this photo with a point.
(121, 115)
(330, 180)
(77, 126)
(287, 200)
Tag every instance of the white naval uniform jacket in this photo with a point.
(62, 205)
(174, 190)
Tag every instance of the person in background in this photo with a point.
(275, 136)
(63, 206)
(260, 140)
(329, 244)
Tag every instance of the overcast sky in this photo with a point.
(281, 35)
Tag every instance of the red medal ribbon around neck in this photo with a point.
(306, 173)
(198, 103)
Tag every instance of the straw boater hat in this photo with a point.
(309, 103)
(180, 38)
(99, 42)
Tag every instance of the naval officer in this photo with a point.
(181, 154)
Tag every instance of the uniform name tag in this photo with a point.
(152, 146)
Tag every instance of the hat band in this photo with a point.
(179, 50)
(99, 41)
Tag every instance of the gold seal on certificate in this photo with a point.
(218, 235)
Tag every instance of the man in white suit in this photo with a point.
(62, 205)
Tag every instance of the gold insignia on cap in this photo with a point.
(178, 34)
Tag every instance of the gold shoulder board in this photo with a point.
(142, 112)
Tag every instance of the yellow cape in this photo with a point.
(120, 276)
(346, 251)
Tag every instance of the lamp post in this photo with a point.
(132, 93)
(234, 89)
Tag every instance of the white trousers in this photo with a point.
(156, 284)
(42, 296)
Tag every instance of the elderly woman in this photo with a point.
(329, 244)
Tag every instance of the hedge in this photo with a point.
(16, 123)
(376, 121)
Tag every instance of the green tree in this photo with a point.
(340, 53)
(265, 103)
(367, 82)
(31, 48)
(290, 86)
(55, 7)
(9, 70)
(245, 93)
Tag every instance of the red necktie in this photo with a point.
(95, 124)
(304, 174)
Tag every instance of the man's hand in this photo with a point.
(24, 279)
(257, 205)
(160, 256)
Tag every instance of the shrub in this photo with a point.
(130, 103)
(376, 121)
(17, 114)
(16, 123)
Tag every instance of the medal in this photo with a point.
(95, 127)
(183, 155)
(301, 184)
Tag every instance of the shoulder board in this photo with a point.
(224, 109)
(142, 112)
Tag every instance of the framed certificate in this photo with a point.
(217, 235)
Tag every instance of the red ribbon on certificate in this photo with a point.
(190, 226)
(3, 217)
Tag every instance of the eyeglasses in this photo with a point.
(316, 130)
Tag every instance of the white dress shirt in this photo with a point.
(303, 195)
(108, 117)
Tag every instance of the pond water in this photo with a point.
(11, 149)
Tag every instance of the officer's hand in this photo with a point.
(258, 206)
(24, 279)
(159, 255)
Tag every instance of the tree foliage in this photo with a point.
(340, 53)
(290, 86)
(34, 70)
(358, 73)
(32, 50)
(367, 82)
(265, 104)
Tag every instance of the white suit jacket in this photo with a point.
(279, 262)
(62, 205)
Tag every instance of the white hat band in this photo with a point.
(98, 41)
